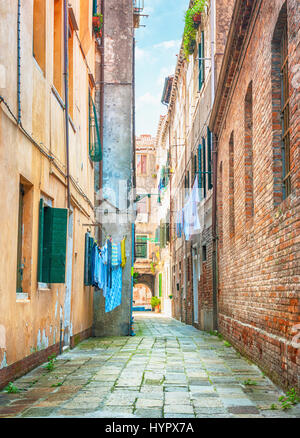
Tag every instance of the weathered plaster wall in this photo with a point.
(31, 325)
(117, 154)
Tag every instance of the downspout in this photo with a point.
(215, 167)
(101, 124)
(19, 61)
(214, 233)
(212, 43)
(66, 81)
(131, 332)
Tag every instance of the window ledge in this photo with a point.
(22, 298)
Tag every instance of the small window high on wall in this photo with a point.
(39, 33)
(58, 46)
(281, 109)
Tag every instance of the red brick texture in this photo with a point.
(259, 259)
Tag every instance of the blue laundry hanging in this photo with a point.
(113, 296)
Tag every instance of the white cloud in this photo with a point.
(146, 100)
(168, 44)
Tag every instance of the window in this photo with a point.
(248, 120)
(142, 206)
(209, 158)
(95, 150)
(84, 21)
(39, 33)
(281, 110)
(231, 186)
(200, 174)
(204, 254)
(141, 247)
(24, 240)
(201, 61)
(52, 244)
(204, 166)
(58, 46)
(71, 69)
(141, 164)
(160, 285)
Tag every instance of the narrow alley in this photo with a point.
(150, 209)
(167, 370)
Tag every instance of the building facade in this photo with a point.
(47, 63)
(189, 150)
(255, 121)
(146, 222)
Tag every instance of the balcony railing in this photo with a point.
(138, 7)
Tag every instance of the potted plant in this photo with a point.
(197, 19)
(190, 28)
(155, 303)
(97, 23)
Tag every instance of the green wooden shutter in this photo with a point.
(200, 179)
(204, 166)
(209, 158)
(160, 285)
(201, 61)
(41, 241)
(86, 259)
(54, 244)
(141, 247)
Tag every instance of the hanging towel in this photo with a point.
(123, 253)
(113, 296)
(109, 265)
(114, 255)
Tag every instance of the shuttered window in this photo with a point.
(204, 166)
(201, 61)
(209, 158)
(200, 179)
(141, 247)
(89, 242)
(160, 285)
(52, 244)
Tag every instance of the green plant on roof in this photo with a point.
(190, 32)
(11, 388)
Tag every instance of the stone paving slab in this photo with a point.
(168, 370)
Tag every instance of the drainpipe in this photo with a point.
(212, 42)
(66, 66)
(101, 112)
(214, 234)
(19, 61)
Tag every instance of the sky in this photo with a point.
(157, 45)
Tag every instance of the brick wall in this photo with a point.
(259, 259)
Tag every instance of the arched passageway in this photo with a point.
(142, 295)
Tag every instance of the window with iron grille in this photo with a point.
(285, 114)
(280, 110)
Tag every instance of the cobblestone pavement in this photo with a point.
(168, 370)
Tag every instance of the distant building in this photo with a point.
(146, 219)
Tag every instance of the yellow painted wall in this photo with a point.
(33, 324)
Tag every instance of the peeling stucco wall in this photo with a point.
(117, 153)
